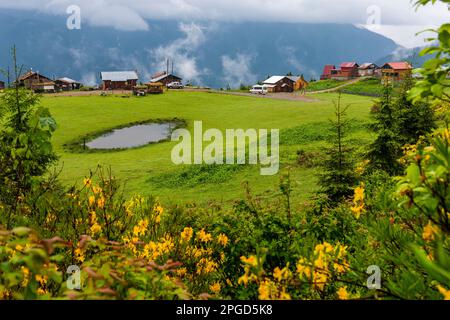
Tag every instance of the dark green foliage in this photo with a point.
(415, 119)
(338, 178)
(398, 122)
(25, 141)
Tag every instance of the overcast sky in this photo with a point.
(396, 19)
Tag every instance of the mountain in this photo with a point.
(203, 52)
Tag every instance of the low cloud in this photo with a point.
(182, 52)
(237, 70)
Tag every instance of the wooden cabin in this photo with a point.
(395, 71)
(279, 84)
(369, 70)
(35, 81)
(119, 80)
(300, 84)
(165, 78)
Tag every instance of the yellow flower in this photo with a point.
(91, 200)
(158, 219)
(267, 290)
(181, 272)
(429, 232)
(303, 269)
(158, 209)
(95, 228)
(41, 291)
(342, 293)
(358, 201)
(358, 210)
(187, 233)
(101, 203)
(203, 236)
(79, 255)
(281, 274)
(97, 190)
(222, 240)
(26, 276)
(252, 261)
(87, 182)
(141, 228)
(444, 292)
(215, 287)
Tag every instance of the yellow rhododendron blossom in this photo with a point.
(252, 261)
(203, 236)
(444, 292)
(215, 287)
(342, 293)
(222, 240)
(101, 203)
(87, 182)
(187, 234)
(429, 232)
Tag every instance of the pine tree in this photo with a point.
(398, 121)
(338, 178)
(415, 119)
(386, 149)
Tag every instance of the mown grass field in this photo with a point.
(149, 171)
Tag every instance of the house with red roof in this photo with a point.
(326, 74)
(395, 71)
(347, 70)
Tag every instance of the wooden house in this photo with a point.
(279, 84)
(300, 84)
(165, 78)
(369, 70)
(36, 82)
(395, 71)
(119, 80)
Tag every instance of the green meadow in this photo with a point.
(148, 170)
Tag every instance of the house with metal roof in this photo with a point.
(279, 84)
(165, 78)
(119, 80)
(369, 69)
(67, 84)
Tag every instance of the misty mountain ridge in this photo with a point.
(215, 54)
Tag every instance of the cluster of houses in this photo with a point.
(391, 71)
(115, 80)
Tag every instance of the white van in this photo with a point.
(258, 89)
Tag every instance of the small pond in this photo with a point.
(132, 137)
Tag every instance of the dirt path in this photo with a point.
(353, 81)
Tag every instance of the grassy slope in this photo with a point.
(324, 85)
(77, 116)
